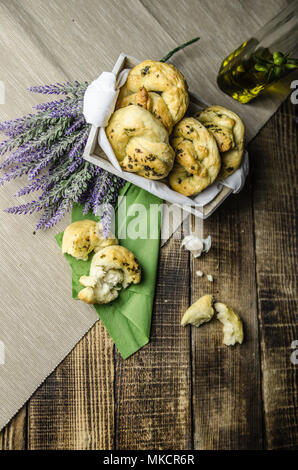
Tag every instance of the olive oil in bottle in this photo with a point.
(237, 76)
(263, 59)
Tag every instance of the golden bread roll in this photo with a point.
(140, 142)
(151, 101)
(111, 269)
(84, 236)
(228, 131)
(197, 161)
(163, 79)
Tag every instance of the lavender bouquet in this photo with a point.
(48, 147)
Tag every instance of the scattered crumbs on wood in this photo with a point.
(199, 273)
(210, 277)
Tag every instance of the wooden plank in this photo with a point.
(153, 387)
(275, 192)
(226, 380)
(74, 408)
(13, 436)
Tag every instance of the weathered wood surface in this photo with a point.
(226, 381)
(184, 390)
(153, 387)
(75, 405)
(274, 179)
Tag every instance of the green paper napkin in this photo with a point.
(128, 318)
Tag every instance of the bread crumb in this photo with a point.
(199, 273)
(210, 277)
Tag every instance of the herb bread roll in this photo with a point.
(84, 236)
(197, 161)
(159, 79)
(140, 142)
(228, 131)
(151, 101)
(112, 268)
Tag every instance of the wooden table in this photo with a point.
(186, 390)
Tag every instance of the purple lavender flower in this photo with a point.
(48, 147)
(37, 184)
(49, 105)
(76, 125)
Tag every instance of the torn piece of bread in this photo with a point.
(112, 268)
(232, 324)
(84, 236)
(199, 312)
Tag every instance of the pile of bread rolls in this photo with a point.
(151, 137)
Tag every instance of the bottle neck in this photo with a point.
(281, 32)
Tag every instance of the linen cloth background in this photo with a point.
(46, 42)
